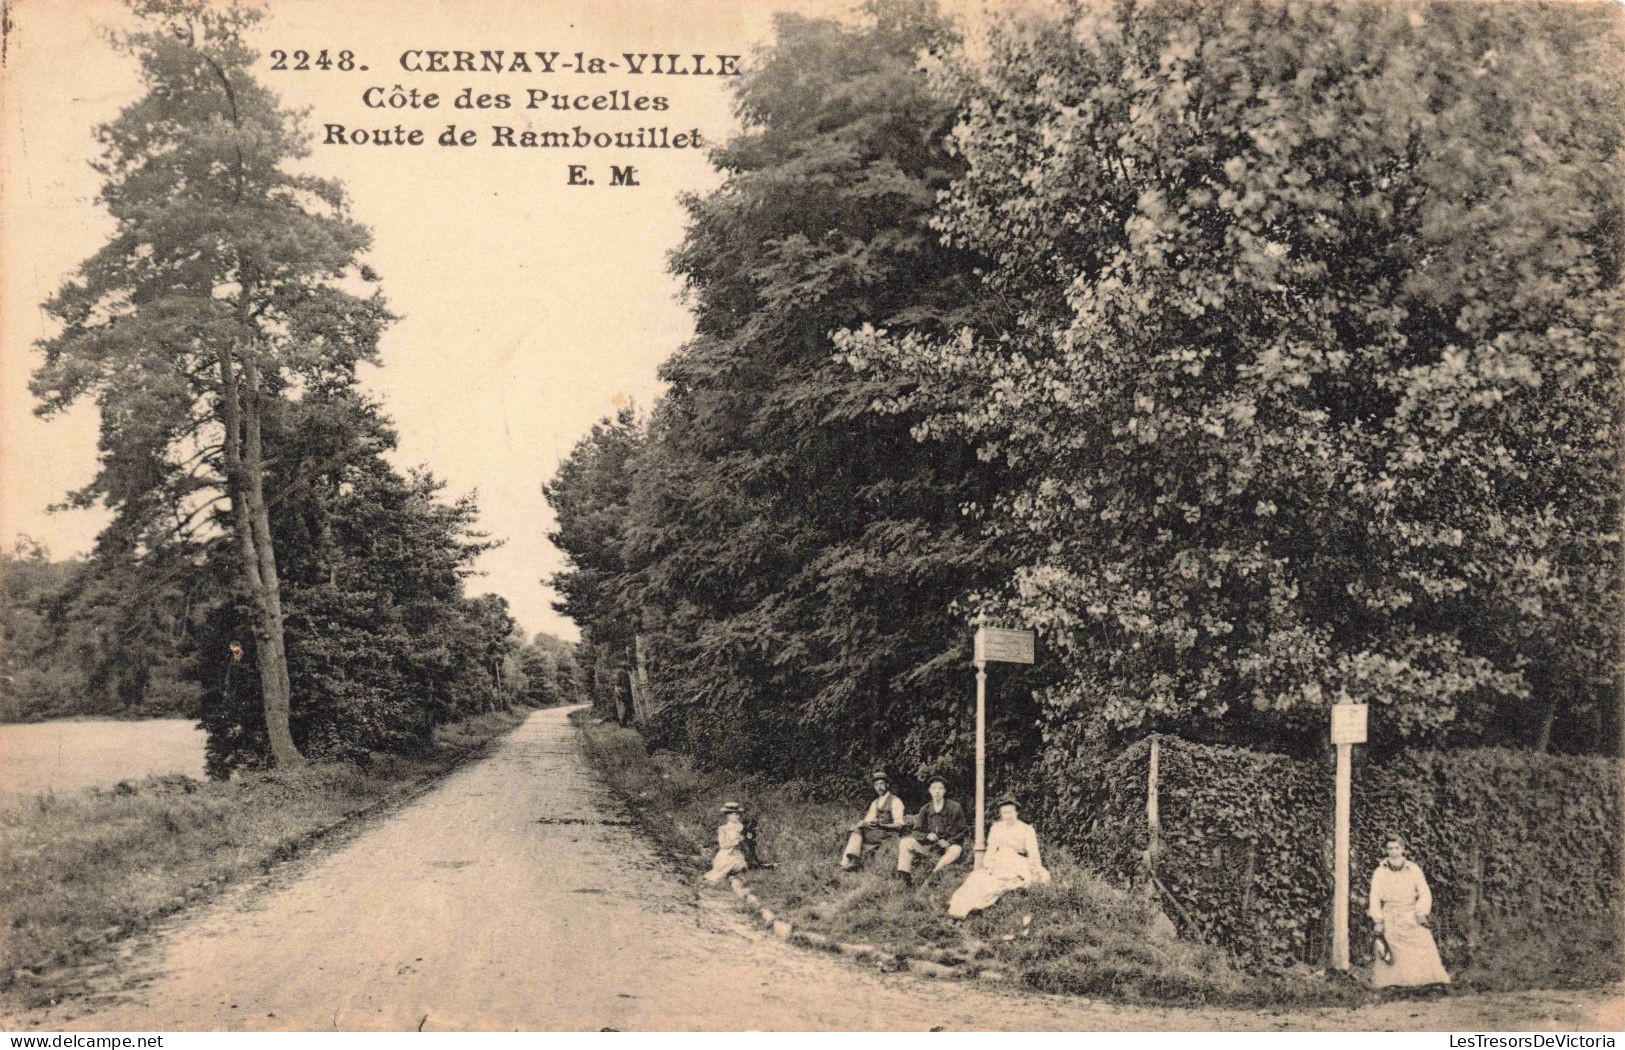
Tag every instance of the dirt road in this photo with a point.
(515, 895)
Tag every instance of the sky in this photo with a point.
(529, 308)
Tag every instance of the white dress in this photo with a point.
(1011, 862)
(730, 857)
(1399, 897)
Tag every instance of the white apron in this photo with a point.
(1398, 899)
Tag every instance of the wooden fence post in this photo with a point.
(1475, 880)
(1153, 823)
(1249, 873)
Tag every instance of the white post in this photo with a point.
(1153, 817)
(1340, 864)
(981, 761)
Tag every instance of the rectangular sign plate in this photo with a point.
(997, 645)
(1349, 723)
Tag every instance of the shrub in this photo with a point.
(1521, 849)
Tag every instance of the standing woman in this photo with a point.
(1400, 906)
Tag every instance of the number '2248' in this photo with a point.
(302, 60)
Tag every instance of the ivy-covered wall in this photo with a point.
(1509, 840)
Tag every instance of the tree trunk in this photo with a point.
(1543, 684)
(251, 526)
(623, 682)
(640, 673)
(640, 709)
(603, 681)
(1543, 739)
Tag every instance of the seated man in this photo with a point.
(885, 817)
(939, 831)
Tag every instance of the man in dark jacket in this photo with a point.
(939, 832)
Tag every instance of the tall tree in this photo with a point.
(590, 495)
(223, 293)
(382, 643)
(792, 554)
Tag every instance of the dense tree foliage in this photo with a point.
(791, 555)
(590, 494)
(1259, 356)
(383, 645)
(78, 637)
(548, 667)
(1312, 386)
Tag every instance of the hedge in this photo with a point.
(1508, 840)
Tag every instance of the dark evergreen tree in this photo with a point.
(790, 552)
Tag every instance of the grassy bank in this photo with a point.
(1078, 935)
(82, 870)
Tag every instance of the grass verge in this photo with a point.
(1079, 935)
(80, 871)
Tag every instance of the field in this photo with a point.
(70, 755)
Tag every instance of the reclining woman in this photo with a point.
(1010, 863)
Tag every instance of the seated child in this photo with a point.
(730, 858)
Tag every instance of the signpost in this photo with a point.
(1348, 729)
(993, 645)
(997, 645)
